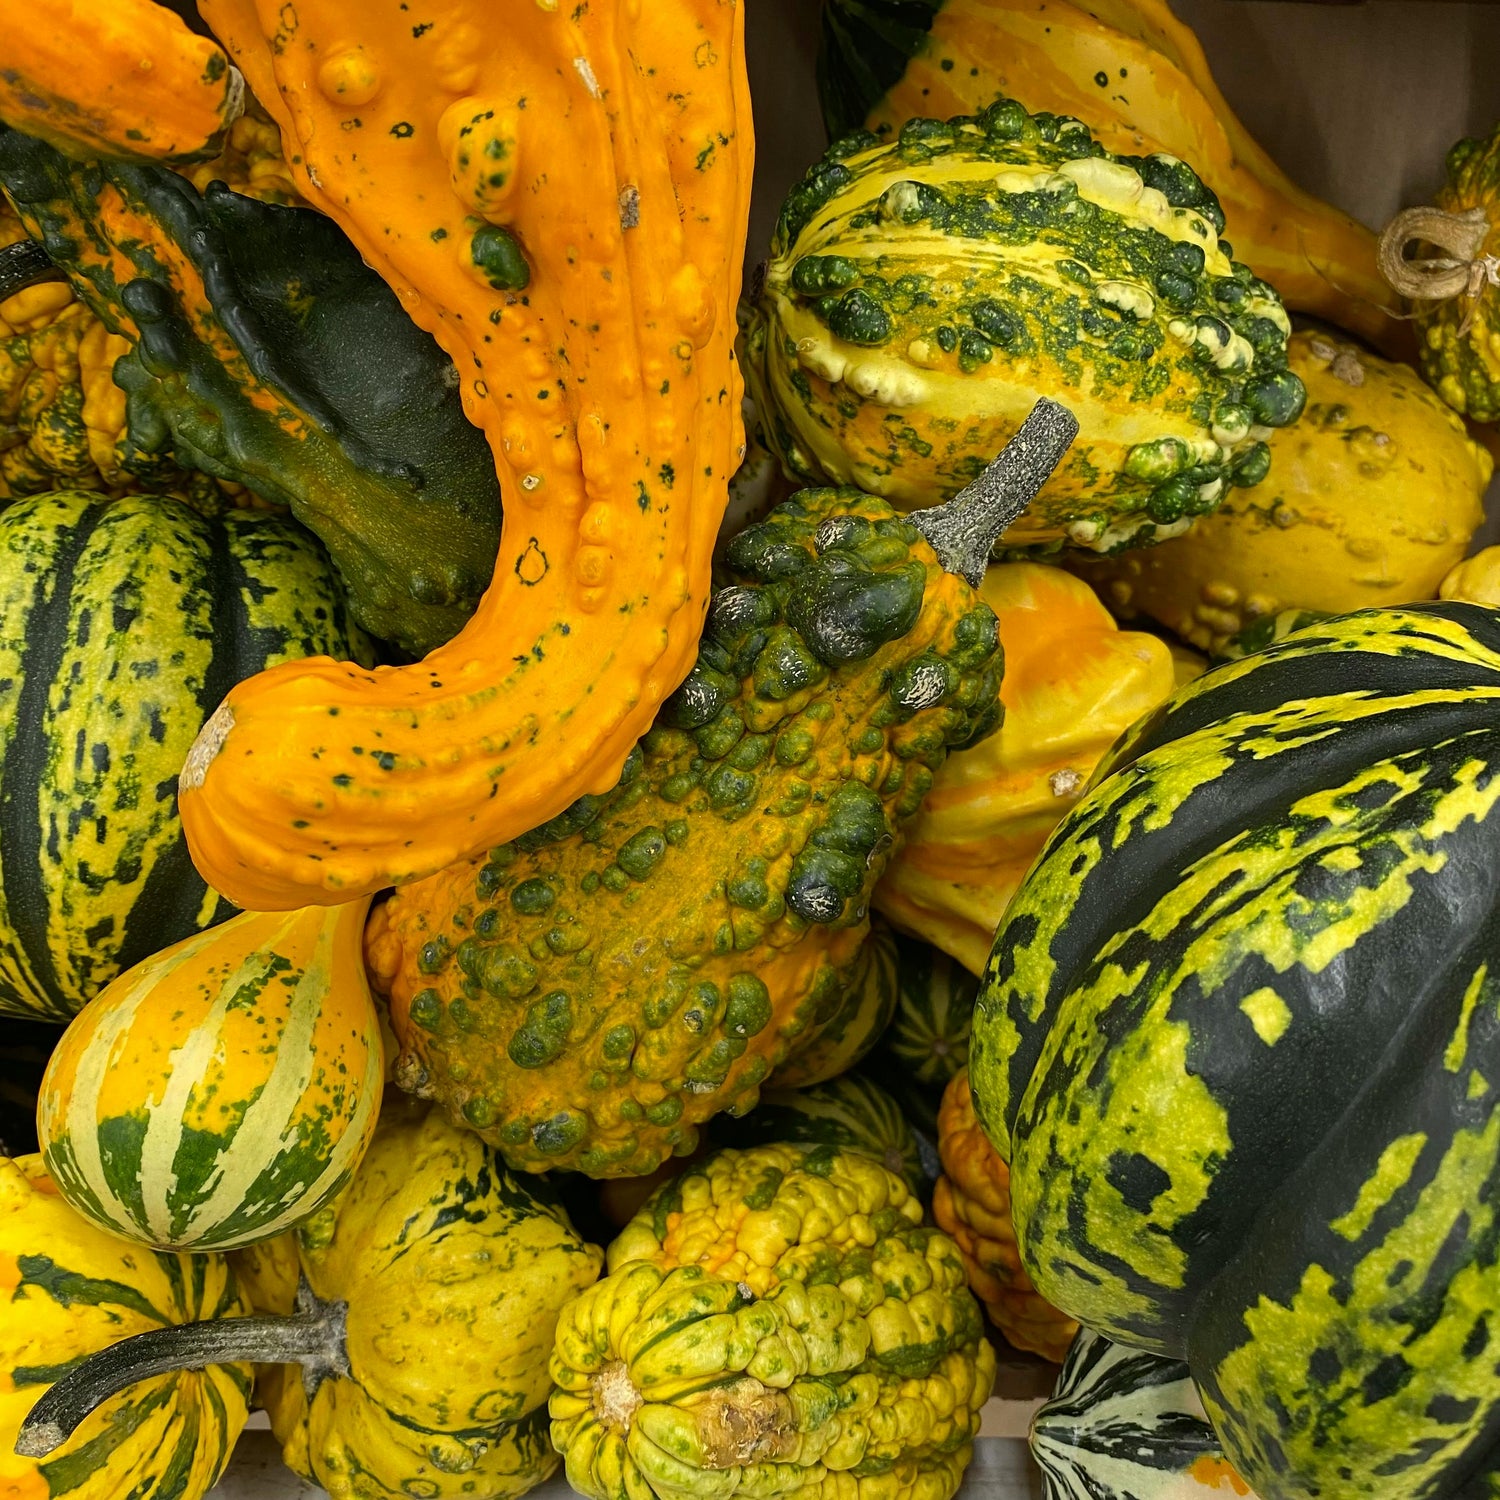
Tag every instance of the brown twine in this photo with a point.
(1460, 272)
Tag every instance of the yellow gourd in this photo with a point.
(1372, 497)
(1476, 579)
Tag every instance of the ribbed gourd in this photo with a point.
(1238, 1042)
(402, 1335)
(775, 1323)
(971, 1202)
(122, 624)
(224, 1089)
(921, 292)
(1122, 1424)
(1372, 497)
(588, 995)
(1137, 74)
(867, 1003)
(71, 1290)
(260, 349)
(1074, 682)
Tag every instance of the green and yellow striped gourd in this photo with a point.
(122, 624)
(775, 1323)
(1239, 1040)
(923, 291)
(222, 1090)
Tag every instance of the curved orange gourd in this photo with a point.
(558, 195)
(123, 79)
(1158, 95)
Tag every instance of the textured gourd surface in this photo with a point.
(265, 352)
(1372, 497)
(558, 194)
(1248, 1102)
(454, 1275)
(864, 1011)
(850, 1112)
(1140, 79)
(1476, 579)
(124, 79)
(122, 623)
(922, 292)
(1073, 684)
(1124, 1422)
(1459, 355)
(222, 1090)
(972, 1203)
(588, 995)
(777, 1317)
(70, 1290)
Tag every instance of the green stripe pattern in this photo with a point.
(1239, 1038)
(122, 625)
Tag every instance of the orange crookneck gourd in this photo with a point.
(558, 194)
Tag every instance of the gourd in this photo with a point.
(922, 291)
(588, 995)
(864, 1011)
(403, 1335)
(1122, 1424)
(1372, 497)
(971, 1202)
(1138, 77)
(776, 1322)
(1476, 579)
(1247, 1101)
(263, 351)
(127, 79)
(222, 1090)
(579, 261)
(1073, 683)
(72, 1291)
(1450, 293)
(122, 622)
(851, 1112)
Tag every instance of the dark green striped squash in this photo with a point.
(1240, 1042)
(122, 625)
(1122, 1424)
(928, 1037)
(849, 1112)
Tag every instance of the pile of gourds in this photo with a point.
(435, 834)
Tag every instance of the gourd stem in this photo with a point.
(1435, 278)
(24, 264)
(314, 1340)
(963, 531)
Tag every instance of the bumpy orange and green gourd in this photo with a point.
(122, 623)
(69, 1291)
(590, 994)
(425, 1301)
(558, 194)
(1372, 497)
(972, 1203)
(1137, 74)
(1074, 682)
(224, 1089)
(777, 1322)
(922, 292)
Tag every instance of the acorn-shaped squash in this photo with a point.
(1372, 497)
(775, 1320)
(922, 292)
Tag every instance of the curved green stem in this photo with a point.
(24, 264)
(963, 531)
(313, 1339)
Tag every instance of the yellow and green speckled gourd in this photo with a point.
(222, 1090)
(1448, 281)
(922, 292)
(1372, 497)
(589, 995)
(777, 1322)
(403, 1334)
(69, 1291)
(1074, 682)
